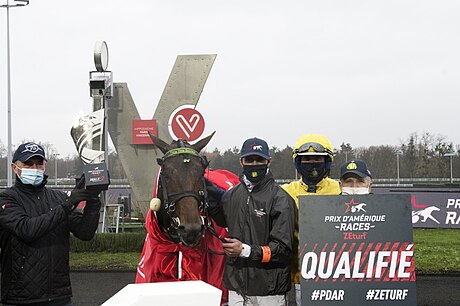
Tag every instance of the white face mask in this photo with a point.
(355, 190)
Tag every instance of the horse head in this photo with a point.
(182, 190)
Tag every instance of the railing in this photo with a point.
(70, 182)
(402, 181)
(123, 183)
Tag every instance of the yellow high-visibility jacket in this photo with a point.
(327, 186)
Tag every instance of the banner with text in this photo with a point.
(435, 210)
(356, 250)
(141, 129)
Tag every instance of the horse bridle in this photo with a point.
(170, 200)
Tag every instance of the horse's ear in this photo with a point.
(160, 144)
(202, 143)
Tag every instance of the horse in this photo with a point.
(182, 190)
(182, 242)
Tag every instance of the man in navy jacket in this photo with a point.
(35, 224)
(259, 216)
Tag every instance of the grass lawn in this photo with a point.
(104, 261)
(436, 251)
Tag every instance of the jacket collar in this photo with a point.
(267, 179)
(321, 184)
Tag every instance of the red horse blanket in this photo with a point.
(163, 260)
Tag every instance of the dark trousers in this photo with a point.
(65, 302)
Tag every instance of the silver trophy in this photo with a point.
(89, 134)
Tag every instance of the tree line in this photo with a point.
(419, 156)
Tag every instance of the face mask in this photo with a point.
(312, 173)
(355, 190)
(31, 176)
(255, 173)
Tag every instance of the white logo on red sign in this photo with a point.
(186, 123)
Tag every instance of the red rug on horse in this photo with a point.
(163, 260)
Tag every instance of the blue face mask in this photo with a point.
(32, 177)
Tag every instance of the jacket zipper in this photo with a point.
(49, 280)
(245, 271)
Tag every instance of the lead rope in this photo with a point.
(208, 223)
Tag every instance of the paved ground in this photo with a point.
(435, 290)
(94, 288)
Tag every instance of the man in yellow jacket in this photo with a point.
(312, 155)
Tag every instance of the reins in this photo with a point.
(215, 234)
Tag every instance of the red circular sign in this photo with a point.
(186, 123)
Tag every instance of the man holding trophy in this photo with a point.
(35, 225)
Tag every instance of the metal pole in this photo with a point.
(106, 134)
(104, 195)
(8, 88)
(8, 76)
(397, 166)
(451, 155)
(55, 169)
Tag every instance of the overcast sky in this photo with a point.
(360, 72)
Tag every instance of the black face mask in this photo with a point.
(312, 173)
(255, 173)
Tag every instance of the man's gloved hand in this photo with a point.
(80, 182)
(214, 192)
(214, 205)
(77, 196)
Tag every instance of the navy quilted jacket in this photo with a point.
(263, 217)
(34, 241)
